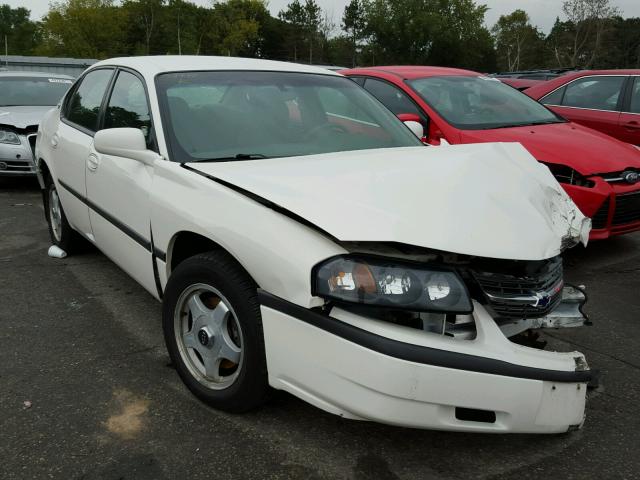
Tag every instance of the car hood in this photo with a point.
(581, 148)
(22, 117)
(489, 200)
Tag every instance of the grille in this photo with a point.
(16, 166)
(627, 208)
(502, 288)
(616, 177)
(599, 220)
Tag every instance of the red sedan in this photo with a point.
(601, 174)
(605, 100)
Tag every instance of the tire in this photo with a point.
(60, 231)
(216, 344)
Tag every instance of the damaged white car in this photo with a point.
(301, 238)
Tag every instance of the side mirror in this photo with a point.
(124, 142)
(415, 127)
(412, 120)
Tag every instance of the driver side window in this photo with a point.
(128, 105)
(393, 98)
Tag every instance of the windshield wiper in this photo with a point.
(527, 124)
(237, 156)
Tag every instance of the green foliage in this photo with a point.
(21, 33)
(519, 45)
(590, 33)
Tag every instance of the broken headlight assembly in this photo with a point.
(568, 175)
(7, 136)
(389, 283)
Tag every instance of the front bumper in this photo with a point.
(367, 369)
(17, 160)
(614, 208)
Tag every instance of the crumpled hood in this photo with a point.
(581, 148)
(489, 200)
(22, 117)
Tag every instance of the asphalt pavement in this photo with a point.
(87, 392)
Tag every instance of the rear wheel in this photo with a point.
(213, 331)
(60, 231)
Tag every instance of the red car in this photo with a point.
(601, 174)
(605, 100)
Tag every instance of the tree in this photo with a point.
(144, 15)
(84, 29)
(294, 15)
(354, 24)
(577, 41)
(312, 20)
(518, 43)
(20, 32)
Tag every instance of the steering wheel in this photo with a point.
(328, 127)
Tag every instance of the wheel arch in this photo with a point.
(185, 244)
(42, 172)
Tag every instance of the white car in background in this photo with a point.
(24, 99)
(300, 237)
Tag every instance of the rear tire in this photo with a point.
(60, 231)
(213, 332)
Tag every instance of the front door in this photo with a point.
(118, 188)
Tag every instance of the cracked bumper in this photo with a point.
(366, 369)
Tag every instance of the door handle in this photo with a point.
(632, 125)
(54, 140)
(93, 162)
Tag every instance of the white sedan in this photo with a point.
(301, 238)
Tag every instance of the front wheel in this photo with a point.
(213, 331)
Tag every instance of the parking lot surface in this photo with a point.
(86, 390)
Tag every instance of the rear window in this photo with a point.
(32, 91)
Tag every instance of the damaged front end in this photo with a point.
(438, 259)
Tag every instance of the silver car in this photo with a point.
(24, 99)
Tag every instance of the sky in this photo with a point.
(542, 12)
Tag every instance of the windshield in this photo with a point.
(241, 115)
(32, 91)
(479, 103)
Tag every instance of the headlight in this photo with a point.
(392, 284)
(565, 174)
(7, 136)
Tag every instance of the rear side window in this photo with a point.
(128, 105)
(597, 93)
(635, 97)
(554, 98)
(84, 105)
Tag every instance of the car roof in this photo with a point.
(26, 73)
(410, 72)
(153, 65)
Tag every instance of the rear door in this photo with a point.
(593, 101)
(72, 144)
(630, 117)
(118, 188)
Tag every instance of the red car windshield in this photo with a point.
(481, 103)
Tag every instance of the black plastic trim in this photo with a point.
(416, 353)
(135, 236)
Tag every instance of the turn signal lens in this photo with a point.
(391, 283)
